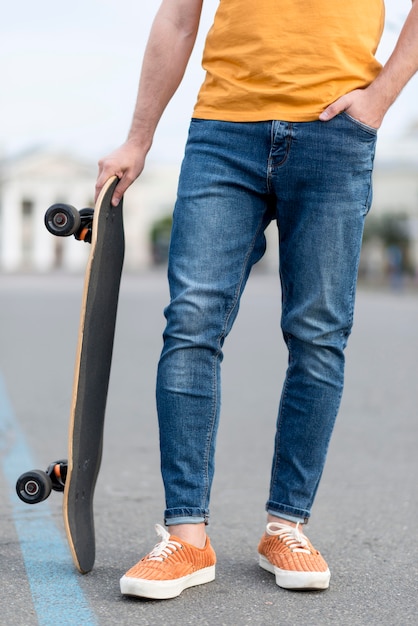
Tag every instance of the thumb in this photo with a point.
(334, 109)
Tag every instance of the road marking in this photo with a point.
(56, 593)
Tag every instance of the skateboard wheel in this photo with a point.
(62, 220)
(33, 487)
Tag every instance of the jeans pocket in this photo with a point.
(356, 122)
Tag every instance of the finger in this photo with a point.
(333, 110)
(328, 113)
(102, 177)
(125, 181)
(106, 171)
(117, 194)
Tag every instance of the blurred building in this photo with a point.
(30, 183)
(395, 207)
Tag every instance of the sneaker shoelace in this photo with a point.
(290, 536)
(163, 548)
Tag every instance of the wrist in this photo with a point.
(138, 142)
(140, 135)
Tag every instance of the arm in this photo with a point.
(168, 50)
(370, 105)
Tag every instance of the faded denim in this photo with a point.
(314, 178)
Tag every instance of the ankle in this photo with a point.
(195, 534)
(281, 520)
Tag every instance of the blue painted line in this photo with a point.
(56, 594)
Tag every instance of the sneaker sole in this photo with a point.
(296, 580)
(165, 589)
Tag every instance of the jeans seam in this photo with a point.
(279, 419)
(369, 193)
(211, 427)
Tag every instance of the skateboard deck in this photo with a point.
(77, 477)
(91, 376)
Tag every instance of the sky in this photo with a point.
(69, 74)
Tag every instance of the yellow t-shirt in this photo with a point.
(287, 59)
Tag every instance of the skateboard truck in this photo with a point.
(63, 220)
(35, 486)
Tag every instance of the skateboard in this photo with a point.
(76, 477)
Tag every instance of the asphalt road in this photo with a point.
(364, 519)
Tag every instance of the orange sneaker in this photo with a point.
(173, 565)
(286, 552)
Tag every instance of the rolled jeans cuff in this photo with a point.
(185, 516)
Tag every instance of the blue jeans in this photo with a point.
(314, 178)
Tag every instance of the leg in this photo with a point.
(323, 188)
(324, 193)
(218, 234)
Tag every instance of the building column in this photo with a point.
(11, 230)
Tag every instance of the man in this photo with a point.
(284, 128)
